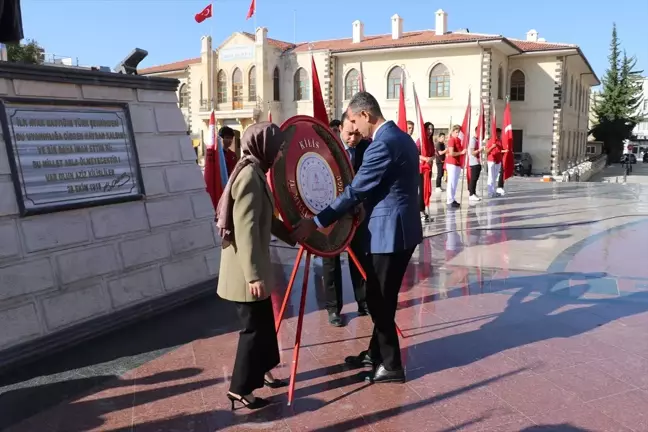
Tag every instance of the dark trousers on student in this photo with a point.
(439, 174)
(500, 179)
(475, 171)
(258, 349)
(332, 273)
(385, 274)
(421, 188)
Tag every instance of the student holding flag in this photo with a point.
(454, 163)
(474, 162)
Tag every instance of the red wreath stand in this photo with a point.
(296, 120)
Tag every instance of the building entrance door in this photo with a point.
(237, 89)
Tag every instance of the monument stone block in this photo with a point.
(57, 231)
(169, 211)
(183, 273)
(87, 263)
(156, 96)
(143, 118)
(144, 250)
(18, 323)
(170, 119)
(9, 246)
(182, 178)
(26, 278)
(118, 219)
(154, 183)
(46, 89)
(191, 238)
(107, 93)
(135, 287)
(88, 302)
(157, 149)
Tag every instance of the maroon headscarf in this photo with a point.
(260, 145)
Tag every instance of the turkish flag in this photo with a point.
(252, 10)
(464, 134)
(204, 14)
(402, 112)
(319, 109)
(508, 162)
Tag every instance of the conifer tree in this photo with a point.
(616, 109)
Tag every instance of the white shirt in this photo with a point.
(472, 145)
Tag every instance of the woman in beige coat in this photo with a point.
(245, 217)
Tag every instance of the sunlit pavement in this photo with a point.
(522, 311)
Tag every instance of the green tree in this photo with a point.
(30, 52)
(617, 107)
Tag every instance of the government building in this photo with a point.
(250, 75)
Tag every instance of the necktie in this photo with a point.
(351, 153)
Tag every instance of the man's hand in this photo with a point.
(463, 152)
(359, 214)
(257, 289)
(430, 160)
(303, 229)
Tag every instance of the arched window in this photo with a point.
(221, 87)
(351, 84)
(252, 84)
(500, 83)
(301, 85)
(183, 97)
(394, 81)
(439, 81)
(237, 89)
(275, 84)
(517, 85)
(571, 91)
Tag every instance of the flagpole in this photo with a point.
(294, 26)
(466, 155)
(211, 58)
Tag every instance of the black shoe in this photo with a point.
(274, 384)
(335, 319)
(361, 360)
(455, 204)
(362, 309)
(256, 404)
(382, 375)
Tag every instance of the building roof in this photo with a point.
(413, 38)
(169, 67)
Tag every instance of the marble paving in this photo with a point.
(524, 313)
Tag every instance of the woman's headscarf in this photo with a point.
(260, 145)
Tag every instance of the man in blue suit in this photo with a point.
(387, 186)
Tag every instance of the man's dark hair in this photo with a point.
(410, 122)
(364, 101)
(441, 134)
(344, 118)
(226, 132)
(498, 130)
(335, 123)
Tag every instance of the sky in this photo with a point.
(103, 32)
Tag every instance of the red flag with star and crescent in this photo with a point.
(508, 161)
(204, 14)
(252, 10)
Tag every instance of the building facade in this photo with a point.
(249, 76)
(641, 129)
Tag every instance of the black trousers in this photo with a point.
(500, 179)
(439, 174)
(384, 277)
(332, 274)
(258, 349)
(475, 171)
(421, 201)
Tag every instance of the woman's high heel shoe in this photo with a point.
(256, 404)
(275, 383)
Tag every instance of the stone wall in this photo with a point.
(62, 269)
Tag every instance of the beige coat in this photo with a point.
(248, 259)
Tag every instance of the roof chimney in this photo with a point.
(441, 26)
(205, 44)
(261, 35)
(358, 31)
(397, 27)
(532, 36)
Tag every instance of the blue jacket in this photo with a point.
(387, 184)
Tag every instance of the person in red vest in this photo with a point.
(425, 167)
(227, 135)
(494, 159)
(454, 163)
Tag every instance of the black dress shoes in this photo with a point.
(361, 360)
(335, 319)
(382, 375)
(362, 309)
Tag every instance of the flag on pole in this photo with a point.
(480, 134)
(319, 109)
(402, 113)
(508, 162)
(464, 133)
(204, 14)
(252, 10)
(361, 86)
(215, 168)
(424, 143)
